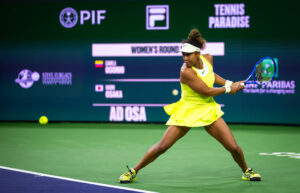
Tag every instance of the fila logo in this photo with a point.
(157, 17)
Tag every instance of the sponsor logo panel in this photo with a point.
(26, 78)
(276, 87)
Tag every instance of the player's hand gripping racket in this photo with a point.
(263, 72)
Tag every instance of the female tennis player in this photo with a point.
(197, 108)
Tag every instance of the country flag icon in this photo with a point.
(99, 88)
(98, 63)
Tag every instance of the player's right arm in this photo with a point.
(189, 76)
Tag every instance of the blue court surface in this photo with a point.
(21, 181)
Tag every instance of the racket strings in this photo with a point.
(264, 71)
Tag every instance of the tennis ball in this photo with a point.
(43, 120)
(175, 92)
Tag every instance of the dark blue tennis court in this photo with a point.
(16, 181)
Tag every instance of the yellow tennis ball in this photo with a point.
(175, 92)
(43, 120)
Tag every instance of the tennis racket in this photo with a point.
(263, 72)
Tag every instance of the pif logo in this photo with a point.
(68, 17)
(157, 17)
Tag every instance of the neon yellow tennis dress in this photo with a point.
(193, 109)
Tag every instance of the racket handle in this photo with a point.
(243, 84)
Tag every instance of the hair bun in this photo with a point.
(196, 36)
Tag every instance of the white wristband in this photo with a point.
(228, 89)
(228, 83)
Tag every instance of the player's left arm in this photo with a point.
(218, 79)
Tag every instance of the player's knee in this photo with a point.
(160, 148)
(234, 149)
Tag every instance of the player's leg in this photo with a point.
(220, 131)
(172, 134)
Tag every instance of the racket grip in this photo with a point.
(243, 84)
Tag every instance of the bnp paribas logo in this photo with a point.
(69, 17)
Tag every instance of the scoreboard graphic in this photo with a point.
(117, 66)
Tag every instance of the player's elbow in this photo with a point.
(205, 92)
(209, 92)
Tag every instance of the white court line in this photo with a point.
(74, 180)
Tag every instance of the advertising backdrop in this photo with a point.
(118, 61)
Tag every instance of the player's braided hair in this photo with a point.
(195, 38)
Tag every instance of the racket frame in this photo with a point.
(252, 73)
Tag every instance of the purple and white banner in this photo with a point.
(150, 49)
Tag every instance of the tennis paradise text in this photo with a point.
(229, 16)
